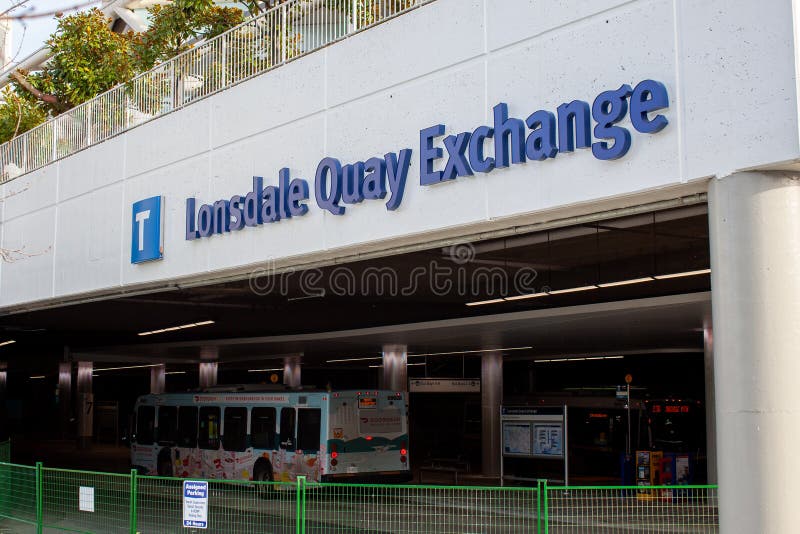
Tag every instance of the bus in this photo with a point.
(273, 435)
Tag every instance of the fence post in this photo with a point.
(133, 499)
(300, 513)
(39, 498)
(539, 506)
(546, 508)
(284, 34)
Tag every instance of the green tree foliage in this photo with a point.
(88, 59)
(174, 27)
(18, 113)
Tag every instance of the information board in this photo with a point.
(532, 433)
(535, 432)
(195, 504)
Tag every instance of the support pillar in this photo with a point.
(3, 411)
(711, 419)
(755, 280)
(291, 370)
(85, 405)
(158, 379)
(64, 397)
(395, 368)
(208, 374)
(491, 399)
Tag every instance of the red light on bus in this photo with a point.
(368, 438)
(684, 409)
(334, 455)
(403, 452)
(334, 462)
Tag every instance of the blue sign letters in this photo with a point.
(542, 135)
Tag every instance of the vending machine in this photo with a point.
(648, 471)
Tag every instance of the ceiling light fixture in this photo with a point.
(572, 289)
(627, 282)
(265, 370)
(578, 359)
(587, 288)
(174, 328)
(36, 377)
(175, 373)
(128, 367)
(469, 351)
(355, 359)
(529, 296)
(9, 342)
(482, 302)
(681, 275)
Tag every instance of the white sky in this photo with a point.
(29, 34)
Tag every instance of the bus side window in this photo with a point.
(209, 428)
(235, 436)
(262, 428)
(308, 429)
(287, 429)
(145, 425)
(167, 425)
(187, 427)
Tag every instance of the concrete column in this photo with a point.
(3, 411)
(755, 266)
(395, 368)
(208, 374)
(85, 405)
(158, 378)
(64, 397)
(711, 419)
(491, 399)
(291, 370)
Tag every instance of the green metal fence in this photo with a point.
(39, 499)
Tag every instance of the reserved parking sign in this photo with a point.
(195, 504)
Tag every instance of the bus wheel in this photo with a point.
(263, 473)
(164, 463)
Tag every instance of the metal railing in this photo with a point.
(35, 499)
(281, 34)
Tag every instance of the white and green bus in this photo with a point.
(273, 435)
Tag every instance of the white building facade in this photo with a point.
(596, 105)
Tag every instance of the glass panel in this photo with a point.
(287, 429)
(209, 428)
(187, 425)
(235, 436)
(145, 425)
(308, 428)
(167, 424)
(262, 428)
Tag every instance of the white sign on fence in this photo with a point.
(85, 499)
(195, 504)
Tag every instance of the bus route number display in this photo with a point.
(195, 504)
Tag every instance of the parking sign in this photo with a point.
(195, 504)
(147, 224)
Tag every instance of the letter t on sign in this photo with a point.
(140, 218)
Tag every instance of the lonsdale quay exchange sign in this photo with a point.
(542, 135)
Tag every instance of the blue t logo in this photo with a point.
(147, 237)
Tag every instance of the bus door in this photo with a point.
(187, 456)
(299, 444)
(208, 441)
